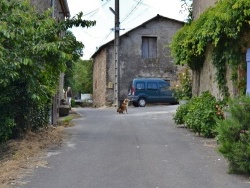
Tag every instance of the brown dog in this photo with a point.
(123, 107)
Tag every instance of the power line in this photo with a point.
(105, 38)
(133, 9)
(136, 16)
(96, 10)
(138, 1)
(90, 34)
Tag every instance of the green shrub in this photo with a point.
(180, 114)
(200, 114)
(73, 103)
(234, 136)
(183, 90)
(6, 126)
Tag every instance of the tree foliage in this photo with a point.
(80, 76)
(187, 6)
(234, 135)
(33, 52)
(83, 76)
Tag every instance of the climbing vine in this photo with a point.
(225, 27)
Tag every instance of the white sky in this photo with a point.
(132, 14)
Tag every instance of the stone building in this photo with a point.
(143, 52)
(199, 6)
(60, 11)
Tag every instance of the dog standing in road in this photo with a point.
(123, 107)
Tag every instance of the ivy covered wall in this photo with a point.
(214, 46)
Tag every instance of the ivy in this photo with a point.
(225, 27)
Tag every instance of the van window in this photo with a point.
(164, 86)
(140, 85)
(152, 86)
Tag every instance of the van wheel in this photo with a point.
(135, 104)
(142, 102)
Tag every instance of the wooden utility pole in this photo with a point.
(116, 54)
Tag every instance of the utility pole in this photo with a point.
(116, 54)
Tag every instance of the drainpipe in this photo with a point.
(248, 71)
(52, 3)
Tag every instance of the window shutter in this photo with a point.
(152, 47)
(144, 47)
(248, 55)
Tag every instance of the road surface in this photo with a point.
(142, 149)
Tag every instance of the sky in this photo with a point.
(132, 14)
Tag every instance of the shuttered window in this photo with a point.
(149, 47)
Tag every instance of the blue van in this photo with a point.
(150, 90)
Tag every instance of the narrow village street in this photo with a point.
(141, 149)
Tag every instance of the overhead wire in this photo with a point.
(90, 34)
(129, 14)
(132, 10)
(136, 6)
(93, 12)
(106, 37)
(143, 3)
(136, 16)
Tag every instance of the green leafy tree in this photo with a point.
(83, 76)
(32, 55)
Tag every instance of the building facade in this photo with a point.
(143, 52)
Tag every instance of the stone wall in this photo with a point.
(42, 5)
(199, 6)
(99, 79)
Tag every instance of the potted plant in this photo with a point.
(183, 89)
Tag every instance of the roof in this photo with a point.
(156, 17)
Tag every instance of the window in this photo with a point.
(164, 86)
(152, 86)
(140, 85)
(149, 47)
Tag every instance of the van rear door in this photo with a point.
(152, 91)
(165, 93)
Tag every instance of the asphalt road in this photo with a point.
(142, 149)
